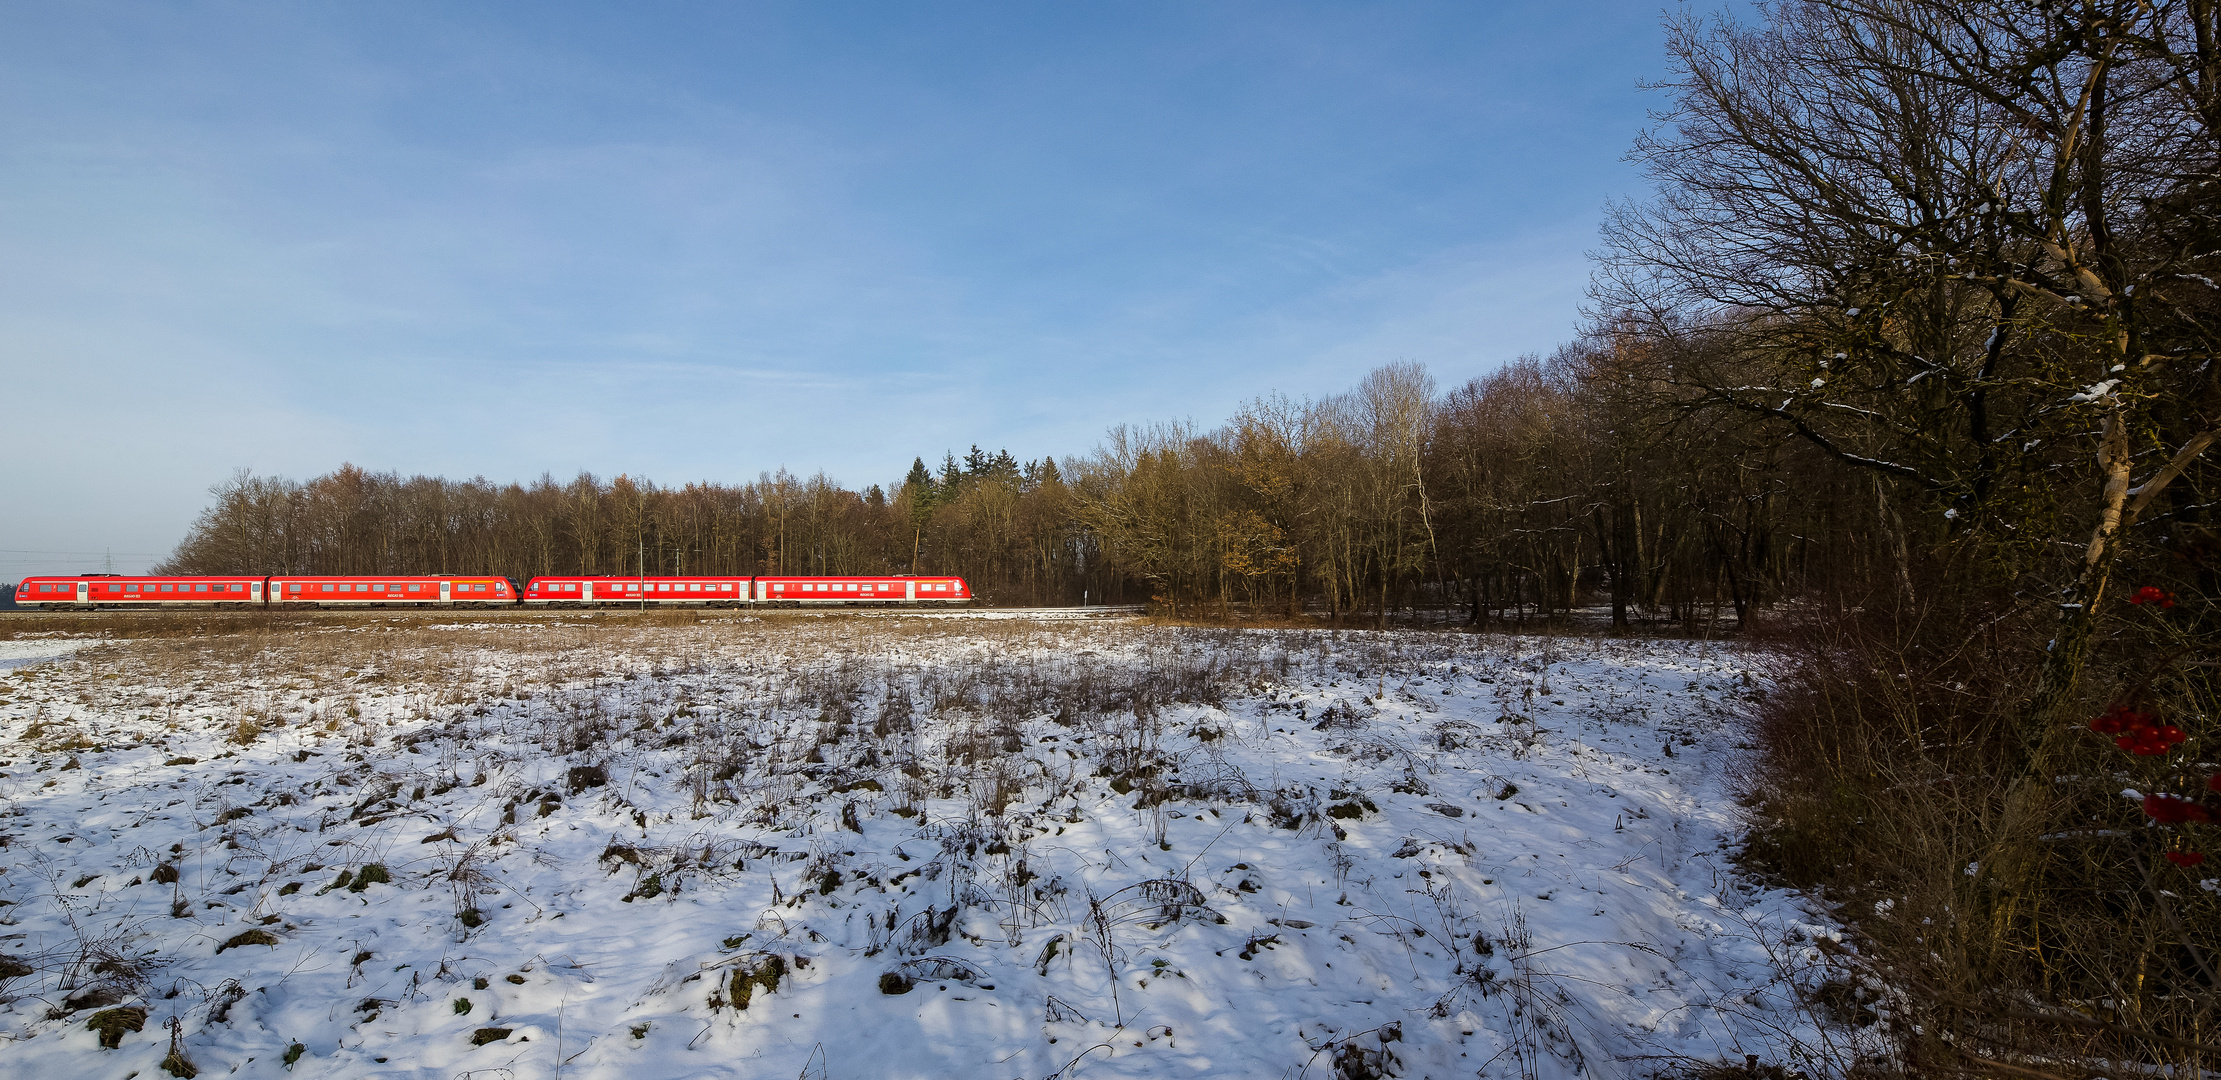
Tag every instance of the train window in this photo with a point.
(413, 587)
(779, 586)
(328, 586)
(131, 588)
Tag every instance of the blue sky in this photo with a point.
(701, 241)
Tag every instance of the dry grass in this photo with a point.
(2019, 914)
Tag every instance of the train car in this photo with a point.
(560, 591)
(580, 591)
(386, 590)
(118, 590)
(807, 591)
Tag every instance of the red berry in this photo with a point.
(2174, 810)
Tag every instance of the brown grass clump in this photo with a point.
(113, 1024)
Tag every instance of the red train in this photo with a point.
(93, 591)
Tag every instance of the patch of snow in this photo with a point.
(38, 649)
(929, 850)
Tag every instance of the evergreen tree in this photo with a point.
(919, 482)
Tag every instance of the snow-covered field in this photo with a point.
(882, 848)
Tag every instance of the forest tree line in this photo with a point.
(1549, 484)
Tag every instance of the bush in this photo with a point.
(1985, 857)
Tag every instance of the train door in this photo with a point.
(447, 591)
(910, 591)
(586, 591)
(84, 592)
(254, 592)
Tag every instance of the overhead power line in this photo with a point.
(94, 554)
